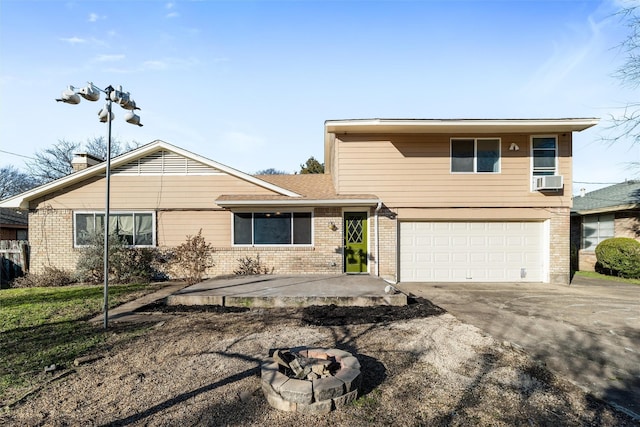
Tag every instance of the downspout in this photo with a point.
(377, 239)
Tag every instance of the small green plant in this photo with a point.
(192, 258)
(251, 266)
(619, 256)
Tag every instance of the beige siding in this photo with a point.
(414, 171)
(174, 226)
(149, 192)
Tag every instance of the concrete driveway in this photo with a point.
(588, 332)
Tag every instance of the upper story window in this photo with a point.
(595, 229)
(544, 152)
(475, 155)
(272, 228)
(135, 228)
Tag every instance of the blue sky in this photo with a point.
(250, 83)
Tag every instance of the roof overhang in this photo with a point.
(22, 200)
(595, 211)
(459, 126)
(296, 202)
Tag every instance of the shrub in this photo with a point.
(251, 266)
(90, 266)
(192, 258)
(619, 256)
(126, 264)
(51, 277)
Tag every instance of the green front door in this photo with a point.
(355, 242)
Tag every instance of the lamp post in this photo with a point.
(91, 92)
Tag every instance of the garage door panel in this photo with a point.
(471, 251)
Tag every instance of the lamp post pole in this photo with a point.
(92, 93)
(108, 91)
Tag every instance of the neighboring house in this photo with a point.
(14, 224)
(612, 211)
(408, 200)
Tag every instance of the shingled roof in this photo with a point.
(312, 188)
(625, 195)
(13, 218)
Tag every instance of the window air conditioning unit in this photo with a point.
(547, 182)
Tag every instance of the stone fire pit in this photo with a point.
(310, 379)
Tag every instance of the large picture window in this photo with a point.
(544, 152)
(475, 155)
(136, 228)
(272, 228)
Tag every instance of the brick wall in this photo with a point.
(560, 242)
(51, 240)
(325, 257)
(388, 243)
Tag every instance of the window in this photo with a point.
(272, 228)
(596, 228)
(544, 154)
(475, 155)
(136, 228)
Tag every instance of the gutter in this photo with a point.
(298, 202)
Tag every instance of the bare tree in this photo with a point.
(627, 125)
(13, 181)
(55, 162)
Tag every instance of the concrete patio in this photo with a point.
(289, 291)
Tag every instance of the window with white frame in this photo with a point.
(595, 229)
(272, 228)
(135, 228)
(475, 155)
(544, 152)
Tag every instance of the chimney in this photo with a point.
(583, 191)
(81, 161)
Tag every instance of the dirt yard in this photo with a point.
(421, 366)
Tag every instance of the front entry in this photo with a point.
(355, 242)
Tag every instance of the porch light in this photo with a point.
(91, 92)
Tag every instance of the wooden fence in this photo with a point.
(14, 259)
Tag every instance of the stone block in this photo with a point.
(272, 376)
(350, 362)
(327, 388)
(298, 391)
(323, 407)
(345, 399)
(276, 401)
(338, 354)
(352, 378)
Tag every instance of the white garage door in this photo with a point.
(471, 251)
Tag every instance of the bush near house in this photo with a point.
(126, 264)
(619, 256)
(192, 258)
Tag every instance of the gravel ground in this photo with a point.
(420, 366)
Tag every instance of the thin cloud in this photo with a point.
(73, 40)
(94, 17)
(567, 57)
(171, 14)
(109, 58)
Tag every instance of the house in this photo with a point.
(408, 200)
(612, 211)
(14, 224)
